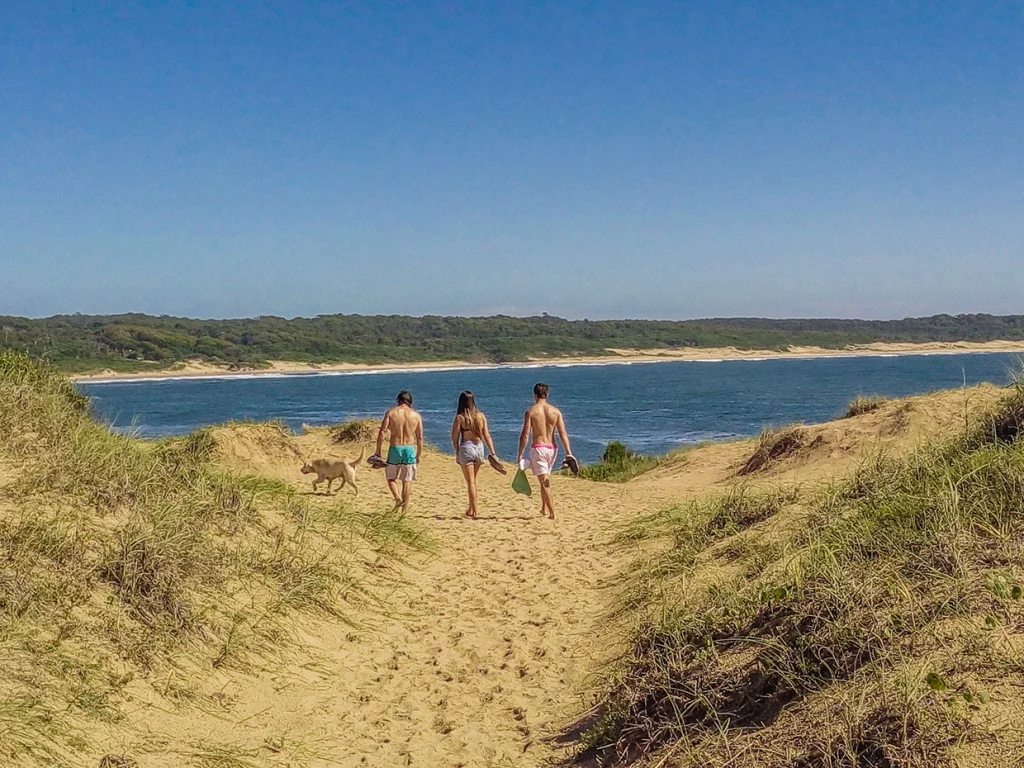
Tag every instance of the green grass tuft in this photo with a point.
(1004, 423)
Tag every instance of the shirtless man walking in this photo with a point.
(543, 420)
(405, 447)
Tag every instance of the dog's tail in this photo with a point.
(362, 453)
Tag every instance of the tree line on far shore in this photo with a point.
(138, 341)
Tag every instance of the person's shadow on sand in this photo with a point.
(490, 518)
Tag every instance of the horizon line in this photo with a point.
(534, 316)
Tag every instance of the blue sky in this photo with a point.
(588, 159)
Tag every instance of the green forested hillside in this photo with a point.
(131, 341)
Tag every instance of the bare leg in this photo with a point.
(393, 487)
(476, 471)
(406, 493)
(545, 496)
(470, 475)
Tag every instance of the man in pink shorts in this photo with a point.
(543, 420)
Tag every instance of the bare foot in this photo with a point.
(551, 516)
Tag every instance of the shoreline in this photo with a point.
(198, 369)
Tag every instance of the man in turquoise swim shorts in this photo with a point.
(405, 426)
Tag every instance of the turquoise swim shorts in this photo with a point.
(402, 454)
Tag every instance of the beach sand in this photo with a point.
(194, 368)
(488, 651)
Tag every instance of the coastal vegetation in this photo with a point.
(143, 342)
(127, 563)
(874, 622)
(618, 464)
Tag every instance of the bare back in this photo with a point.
(405, 425)
(467, 429)
(544, 419)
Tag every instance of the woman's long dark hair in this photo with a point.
(474, 418)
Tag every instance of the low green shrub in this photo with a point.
(618, 464)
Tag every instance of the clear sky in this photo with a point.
(588, 159)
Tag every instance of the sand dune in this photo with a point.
(488, 649)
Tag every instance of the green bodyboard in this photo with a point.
(521, 484)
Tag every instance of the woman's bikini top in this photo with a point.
(464, 430)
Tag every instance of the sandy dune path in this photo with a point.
(484, 655)
(500, 633)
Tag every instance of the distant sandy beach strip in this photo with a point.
(196, 368)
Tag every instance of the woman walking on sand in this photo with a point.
(469, 436)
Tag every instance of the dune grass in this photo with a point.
(690, 529)
(862, 404)
(877, 637)
(618, 464)
(119, 557)
(355, 431)
(772, 446)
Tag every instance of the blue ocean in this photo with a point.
(652, 407)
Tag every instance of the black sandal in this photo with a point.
(572, 464)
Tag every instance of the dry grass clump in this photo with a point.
(355, 431)
(774, 444)
(119, 555)
(862, 404)
(875, 642)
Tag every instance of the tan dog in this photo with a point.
(334, 470)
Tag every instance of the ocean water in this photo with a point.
(652, 407)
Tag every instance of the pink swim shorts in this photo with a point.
(542, 458)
